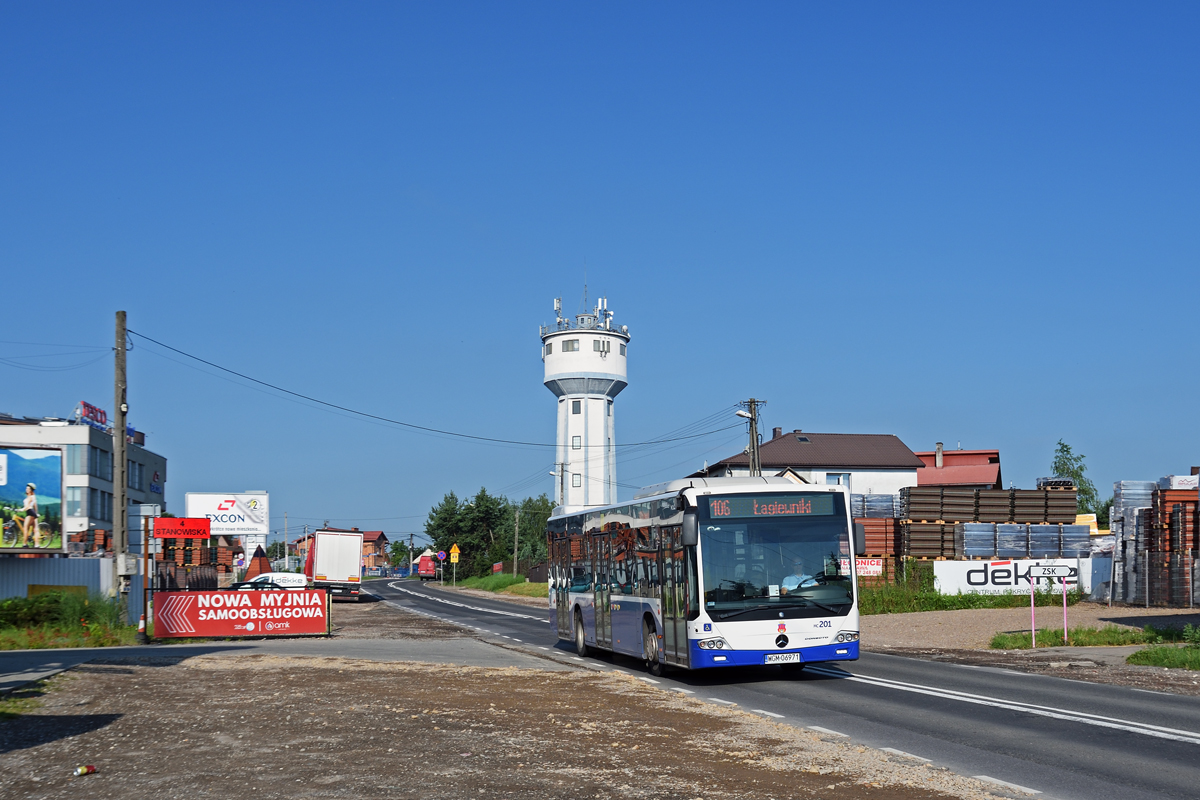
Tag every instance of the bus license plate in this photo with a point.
(782, 658)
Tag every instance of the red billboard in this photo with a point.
(182, 528)
(235, 613)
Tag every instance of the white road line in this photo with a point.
(515, 639)
(896, 752)
(543, 648)
(819, 729)
(577, 658)
(1157, 731)
(464, 605)
(722, 702)
(767, 713)
(998, 782)
(648, 680)
(502, 636)
(681, 691)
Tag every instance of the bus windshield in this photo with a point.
(763, 554)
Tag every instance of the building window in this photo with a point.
(134, 473)
(100, 463)
(100, 505)
(576, 479)
(570, 345)
(602, 345)
(77, 459)
(76, 500)
(549, 348)
(622, 349)
(576, 442)
(837, 478)
(576, 407)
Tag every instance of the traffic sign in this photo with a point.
(454, 558)
(441, 555)
(1050, 571)
(454, 549)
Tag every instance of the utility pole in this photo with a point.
(286, 564)
(751, 413)
(516, 535)
(120, 501)
(411, 559)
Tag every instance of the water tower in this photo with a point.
(585, 368)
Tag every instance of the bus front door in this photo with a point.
(674, 598)
(601, 546)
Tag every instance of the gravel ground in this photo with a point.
(310, 727)
(974, 628)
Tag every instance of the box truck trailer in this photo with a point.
(335, 562)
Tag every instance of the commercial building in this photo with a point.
(86, 444)
(867, 463)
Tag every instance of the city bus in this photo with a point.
(710, 572)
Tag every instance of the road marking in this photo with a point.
(515, 639)
(502, 636)
(577, 658)
(648, 680)
(819, 729)
(998, 782)
(767, 713)
(464, 605)
(681, 691)
(722, 702)
(896, 752)
(1158, 731)
(543, 648)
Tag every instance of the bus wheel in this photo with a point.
(581, 648)
(650, 649)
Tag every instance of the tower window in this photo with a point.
(609, 405)
(576, 479)
(601, 345)
(576, 442)
(576, 406)
(549, 348)
(622, 349)
(570, 345)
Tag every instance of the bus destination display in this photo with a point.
(771, 505)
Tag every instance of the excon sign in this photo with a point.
(231, 514)
(233, 613)
(1006, 576)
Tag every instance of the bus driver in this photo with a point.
(798, 579)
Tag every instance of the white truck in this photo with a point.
(335, 562)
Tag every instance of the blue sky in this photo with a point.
(949, 222)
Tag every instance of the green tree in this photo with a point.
(398, 554)
(483, 526)
(276, 550)
(1069, 465)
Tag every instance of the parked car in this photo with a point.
(273, 580)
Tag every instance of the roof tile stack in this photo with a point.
(995, 505)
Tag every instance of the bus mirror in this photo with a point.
(691, 530)
(860, 539)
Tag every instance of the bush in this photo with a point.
(65, 610)
(914, 596)
(1162, 655)
(1108, 636)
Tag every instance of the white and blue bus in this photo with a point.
(710, 572)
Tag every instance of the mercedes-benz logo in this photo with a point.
(781, 641)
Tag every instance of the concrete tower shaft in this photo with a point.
(585, 368)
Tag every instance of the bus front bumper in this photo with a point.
(841, 651)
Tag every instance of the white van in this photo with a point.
(285, 580)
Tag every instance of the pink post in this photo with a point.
(1032, 614)
(1066, 641)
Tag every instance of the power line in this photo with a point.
(409, 425)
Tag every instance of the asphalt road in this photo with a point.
(1064, 739)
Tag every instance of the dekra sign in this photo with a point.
(1008, 574)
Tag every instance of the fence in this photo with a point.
(94, 574)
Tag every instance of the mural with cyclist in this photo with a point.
(31, 498)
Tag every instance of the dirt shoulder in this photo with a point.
(280, 726)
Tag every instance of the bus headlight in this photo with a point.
(848, 636)
(713, 644)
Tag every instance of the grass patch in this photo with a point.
(529, 589)
(491, 583)
(1108, 636)
(905, 598)
(62, 619)
(1162, 655)
(1167, 656)
(22, 700)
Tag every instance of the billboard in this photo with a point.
(226, 613)
(31, 493)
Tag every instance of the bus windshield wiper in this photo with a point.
(818, 604)
(779, 607)
(746, 611)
